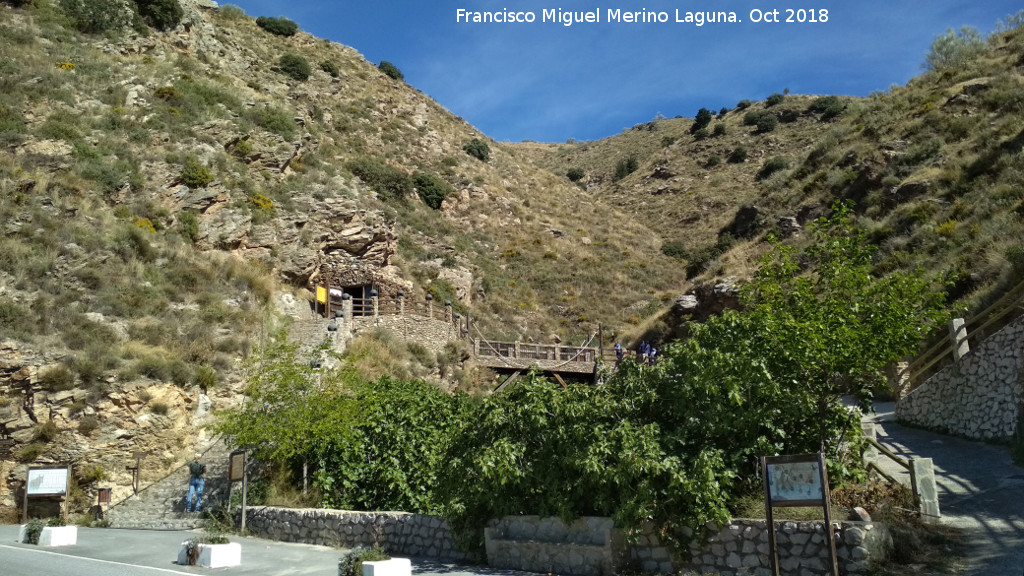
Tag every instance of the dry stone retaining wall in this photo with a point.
(432, 333)
(741, 548)
(978, 397)
(590, 546)
(398, 533)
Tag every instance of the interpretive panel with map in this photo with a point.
(47, 481)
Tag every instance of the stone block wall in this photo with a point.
(741, 548)
(432, 333)
(398, 533)
(978, 397)
(590, 546)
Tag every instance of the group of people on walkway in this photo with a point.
(645, 353)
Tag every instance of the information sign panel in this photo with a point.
(237, 466)
(47, 481)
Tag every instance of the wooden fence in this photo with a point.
(944, 347)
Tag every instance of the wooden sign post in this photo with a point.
(797, 480)
(236, 473)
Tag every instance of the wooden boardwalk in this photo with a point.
(545, 357)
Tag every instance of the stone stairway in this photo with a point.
(161, 505)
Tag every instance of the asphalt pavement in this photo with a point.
(981, 491)
(124, 552)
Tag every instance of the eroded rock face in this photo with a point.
(701, 302)
(103, 435)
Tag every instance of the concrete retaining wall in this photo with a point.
(978, 397)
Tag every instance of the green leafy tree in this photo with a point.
(293, 410)
(397, 448)
(587, 450)
(816, 324)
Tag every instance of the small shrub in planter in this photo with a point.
(351, 563)
(33, 529)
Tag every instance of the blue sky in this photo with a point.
(547, 82)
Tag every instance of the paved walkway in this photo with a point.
(981, 491)
(113, 549)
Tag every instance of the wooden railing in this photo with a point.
(525, 353)
(974, 330)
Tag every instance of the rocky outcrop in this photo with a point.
(700, 303)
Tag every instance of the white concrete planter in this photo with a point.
(213, 555)
(59, 536)
(54, 535)
(393, 567)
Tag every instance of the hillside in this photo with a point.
(162, 190)
(934, 168)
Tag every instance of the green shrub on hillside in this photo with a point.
(738, 155)
(713, 160)
(97, 16)
(478, 149)
(194, 174)
(279, 26)
(701, 134)
(954, 50)
(772, 166)
(743, 104)
(273, 120)
(675, 249)
(719, 130)
(431, 189)
(767, 123)
(389, 182)
(230, 12)
(330, 67)
(160, 14)
(751, 118)
(828, 106)
(774, 100)
(701, 121)
(390, 70)
(625, 167)
(574, 174)
(295, 66)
